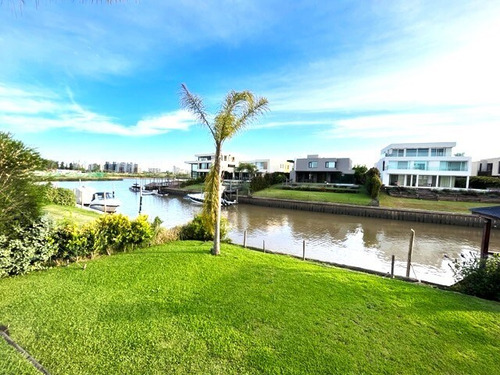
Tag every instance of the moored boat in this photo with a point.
(198, 198)
(135, 188)
(104, 201)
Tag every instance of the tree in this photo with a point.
(237, 111)
(373, 183)
(250, 168)
(20, 197)
(359, 174)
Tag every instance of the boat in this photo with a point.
(104, 201)
(84, 195)
(135, 188)
(198, 198)
(149, 192)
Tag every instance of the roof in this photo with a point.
(489, 212)
(420, 145)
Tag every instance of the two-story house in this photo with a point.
(201, 166)
(319, 170)
(423, 165)
(487, 167)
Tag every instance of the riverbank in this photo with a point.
(421, 216)
(313, 203)
(177, 309)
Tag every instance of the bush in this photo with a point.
(117, 233)
(484, 182)
(196, 181)
(478, 277)
(21, 198)
(30, 248)
(373, 182)
(65, 237)
(195, 230)
(60, 196)
(263, 182)
(164, 235)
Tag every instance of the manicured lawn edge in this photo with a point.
(177, 309)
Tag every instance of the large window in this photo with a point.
(420, 165)
(395, 152)
(437, 152)
(422, 152)
(411, 152)
(402, 165)
(330, 164)
(313, 164)
(453, 166)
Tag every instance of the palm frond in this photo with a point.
(194, 104)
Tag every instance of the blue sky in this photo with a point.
(95, 82)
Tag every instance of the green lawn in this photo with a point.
(176, 309)
(75, 214)
(363, 199)
(319, 196)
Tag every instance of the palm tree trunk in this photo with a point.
(217, 196)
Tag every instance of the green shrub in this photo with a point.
(60, 196)
(478, 277)
(195, 181)
(484, 182)
(164, 235)
(66, 239)
(30, 248)
(117, 233)
(195, 230)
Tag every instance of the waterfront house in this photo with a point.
(201, 166)
(486, 167)
(423, 165)
(271, 165)
(320, 170)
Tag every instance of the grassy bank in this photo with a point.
(75, 214)
(363, 199)
(177, 309)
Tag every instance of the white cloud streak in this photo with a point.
(23, 111)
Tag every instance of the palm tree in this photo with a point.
(237, 111)
(250, 168)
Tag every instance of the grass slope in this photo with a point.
(75, 214)
(176, 309)
(363, 199)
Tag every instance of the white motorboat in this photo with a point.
(149, 192)
(198, 198)
(104, 201)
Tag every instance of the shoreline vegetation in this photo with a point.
(177, 309)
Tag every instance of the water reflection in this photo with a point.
(350, 240)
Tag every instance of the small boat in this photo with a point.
(198, 198)
(135, 188)
(149, 192)
(104, 201)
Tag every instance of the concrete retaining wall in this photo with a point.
(373, 212)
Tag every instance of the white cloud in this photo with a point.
(32, 111)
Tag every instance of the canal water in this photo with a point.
(350, 240)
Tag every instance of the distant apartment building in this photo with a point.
(319, 170)
(94, 167)
(423, 165)
(121, 167)
(487, 167)
(201, 166)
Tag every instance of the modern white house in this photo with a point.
(201, 166)
(317, 169)
(271, 165)
(487, 167)
(423, 165)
